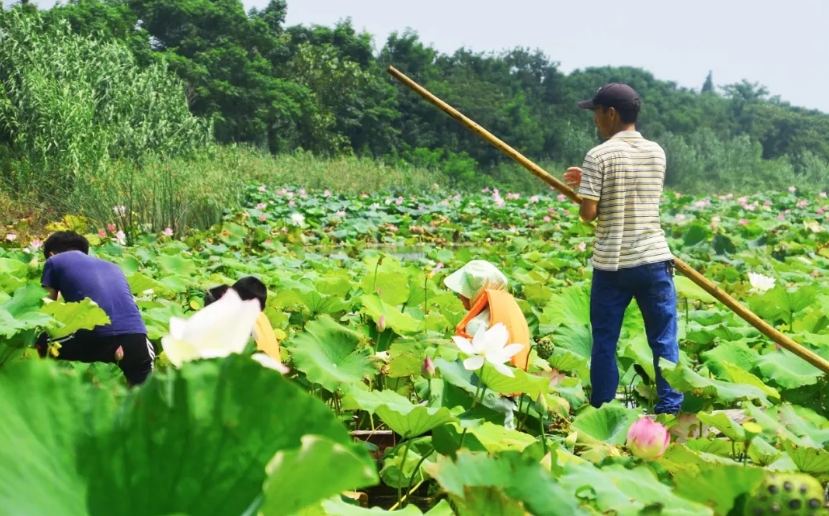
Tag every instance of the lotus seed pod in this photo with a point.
(545, 348)
(787, 494)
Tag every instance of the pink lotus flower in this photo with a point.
(437, 268)
(428, 368)
(457, 197)
(111, 228)
(788, 211)
(743, 222)
(534, 199)
(168, 232)
(341, 213)
(268, 241)
(421, 208)
(122, 238)
(750, 207)
(261, 206)
(326, 193)
(561, 197)
(802, 204)
(11, 237)
(820, 211)
(263, 217)
(767, 203)
(102, 233)
(546, 218)
(485, 190)
(399, 201)
(792, 189)
(291, 203)
(647, 439)
(582, 247)
(381, 324)
(782, 216)
(677, 195)
(551, 210)
(284, 230)
(363, 196)
(555, 377)
(262, 188)
(302, 191)
(35, 244)
(513, 196)
(282, 192)
(393, 228)
(728, 197)
(700, 204)
(375, 206)
(680, 217)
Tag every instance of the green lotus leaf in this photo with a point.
(320, 468)
(400, 414)
(627, 491)
(398, 321)
(609, 423)
(476, 479)
(71, 317)
(71, 448)
(327, 353)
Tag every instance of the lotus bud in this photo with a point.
(428, 369)
(647, 439)
(381, 324)
(119, 354)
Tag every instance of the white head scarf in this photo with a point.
(474, 277)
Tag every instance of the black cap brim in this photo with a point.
(587, 104)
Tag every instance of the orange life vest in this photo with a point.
(505, 310)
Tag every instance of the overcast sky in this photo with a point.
(781, 44)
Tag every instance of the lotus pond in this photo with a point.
(378, 412)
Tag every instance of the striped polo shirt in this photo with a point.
(625, 174)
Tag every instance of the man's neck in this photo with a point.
(623, 129)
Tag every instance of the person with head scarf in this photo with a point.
(481, 288)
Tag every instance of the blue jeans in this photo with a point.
(652, 286)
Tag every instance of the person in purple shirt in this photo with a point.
(70, 271)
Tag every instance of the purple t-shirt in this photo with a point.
(77, 276)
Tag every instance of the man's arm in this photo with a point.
(589, 210)
(49, 280)
(53, 294)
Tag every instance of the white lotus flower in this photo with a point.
(215, 331)
(489, 346)
(760, 283)
(297, 219)
(270, 363)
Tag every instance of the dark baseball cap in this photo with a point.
(616, 95)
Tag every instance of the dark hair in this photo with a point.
(628, 112)
(214, 294)
(63, 241)
(251, 288)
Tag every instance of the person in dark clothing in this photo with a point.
(248, 288)
(70, 271)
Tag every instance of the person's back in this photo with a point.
(69, 271)
(626, 175)
(82, 276)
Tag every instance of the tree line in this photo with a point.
(260, 82)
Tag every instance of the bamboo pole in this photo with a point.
(750, 317)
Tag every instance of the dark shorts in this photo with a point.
(84, 346)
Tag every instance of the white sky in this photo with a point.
(782, 45)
